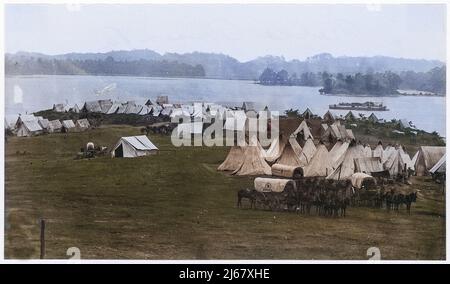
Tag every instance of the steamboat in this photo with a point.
(366, 106)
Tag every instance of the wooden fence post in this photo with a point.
(42, 238)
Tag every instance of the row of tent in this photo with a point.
(30, 125)
(161, 107)
(286, 158)
(330, 116)
(240, 120)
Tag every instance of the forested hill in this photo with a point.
(371, 83)
(107, 66)
(214, 65)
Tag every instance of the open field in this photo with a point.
(175, 205)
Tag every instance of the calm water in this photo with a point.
(32, 93)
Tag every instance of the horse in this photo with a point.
(248, 194)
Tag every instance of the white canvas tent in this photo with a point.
(388, 151)
(92, 106)
(307, 114)
(197, 111)
(144, 110)
(320, 164)
(29, 128)
(54, 125)
(133, 146)
(396, 160)
(82, 124)
(304, 130)
(439, 167)
(347, 167)
(253, 161)
(308, 151)
(156, 110)
(68, 124)
(414, 158)
(275, 150)
(350, 134)
(350, 116)
(234, 159)
(75, 109)
(405, 159)
(59, 107)
(329, 116)
(335, 131)
(373, 118)
(44, 123)
(378, 151)
(427, 158)
(367, 151)
(25, 117)
(291, 153)
(337, 153)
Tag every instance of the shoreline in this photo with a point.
(388, 96)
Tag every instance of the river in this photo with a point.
(33, 93)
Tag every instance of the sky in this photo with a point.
(242, 31)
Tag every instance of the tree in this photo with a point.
(268, 77)
(282, 77)
(292, 113)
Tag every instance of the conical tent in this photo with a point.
(414, 158)
(295, 146)
(253, 161)
(336, 146)
(378, 151)
(308, 152)
(347, 167)
(360, 148)
(405, 159)
(307, 114)
(320, 164)
(303, 129)
(329, 116)
(291, 155)
(427, 158)
(234, 159)
(350, 116)
(367, 151)
(337, 153)
(275, 150)
(350, 134)
(396, 160)
(343, 132)
(392, 163)
(387, 153)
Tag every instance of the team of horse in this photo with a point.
(327, 197)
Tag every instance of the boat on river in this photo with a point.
(366, 106)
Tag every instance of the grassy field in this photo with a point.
(175, 205)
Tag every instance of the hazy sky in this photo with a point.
(241, 31)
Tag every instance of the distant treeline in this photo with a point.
(108, 66)
(431, 81)
(385, 83)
